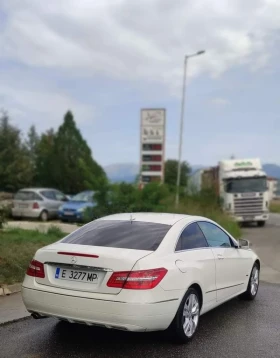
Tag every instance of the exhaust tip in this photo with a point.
(36, 315)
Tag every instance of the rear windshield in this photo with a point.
(27, 195)
(135, 235)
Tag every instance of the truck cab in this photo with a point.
(244, 190)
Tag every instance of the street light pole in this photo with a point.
(182, 124)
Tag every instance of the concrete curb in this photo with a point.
(6, 290)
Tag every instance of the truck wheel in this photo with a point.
(261, 223)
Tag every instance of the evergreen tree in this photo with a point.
(74, 169)
(15, 166)
(45, 159)
(171, 168)
(32, 144)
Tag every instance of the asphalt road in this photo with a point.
(266, 243)
(235, 329)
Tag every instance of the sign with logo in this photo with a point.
(152, 137)
(155, 117)
(243, 164)
(152, 134)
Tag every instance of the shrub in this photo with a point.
(159, 198)
(3, 216)
(54, 231)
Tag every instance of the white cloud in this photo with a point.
(143, 40)
(31, 101)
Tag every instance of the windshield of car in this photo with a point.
(84, 196)
(135, 235)
(246, 185)
(26, 195)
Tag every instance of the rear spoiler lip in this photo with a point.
(69, 253)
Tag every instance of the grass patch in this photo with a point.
(17, 248)
(275, 206)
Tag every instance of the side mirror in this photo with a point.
(244, 244)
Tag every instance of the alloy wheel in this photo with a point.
(190, 315)
(254, 281)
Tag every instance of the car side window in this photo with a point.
(59, 196)
(37, 197)
(48, 194)
(215, 236)
(191, 238)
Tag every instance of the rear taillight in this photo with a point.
(137, 280)
(35, 206)
(36, 269)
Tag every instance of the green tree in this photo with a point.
(170, 172)
(31, 145)
(74, 169)
(15, 167)
(125, 197)
(45, 159)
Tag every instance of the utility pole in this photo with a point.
(182, 124)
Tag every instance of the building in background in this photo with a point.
(152, 146)
(273, 187)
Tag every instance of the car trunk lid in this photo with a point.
(85, 268)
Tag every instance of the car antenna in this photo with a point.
(131, 218)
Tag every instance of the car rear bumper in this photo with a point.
(138, 317)
(26, 213)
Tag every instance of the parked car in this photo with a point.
(69, 197)
(141, 272)
(37, 203)
(74, 209)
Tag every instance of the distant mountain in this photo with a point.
(272, 170)
(195, 168)
(127, 172)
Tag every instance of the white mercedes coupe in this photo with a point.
(141, 272)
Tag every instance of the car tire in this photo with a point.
(44, 216)
(253, 284)
(185, 324)
(261, 223)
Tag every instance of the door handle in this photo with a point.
(220, 256)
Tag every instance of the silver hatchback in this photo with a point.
(37, 203)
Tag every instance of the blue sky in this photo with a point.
(105, 60)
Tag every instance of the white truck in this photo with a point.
(242, 186)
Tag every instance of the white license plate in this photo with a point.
(76, 275)
(68, 213)
(23, 206)
(248, 218)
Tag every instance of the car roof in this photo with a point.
(37, 189)
(158, 218)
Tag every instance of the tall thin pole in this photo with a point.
(181, 132)
(182, 124)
